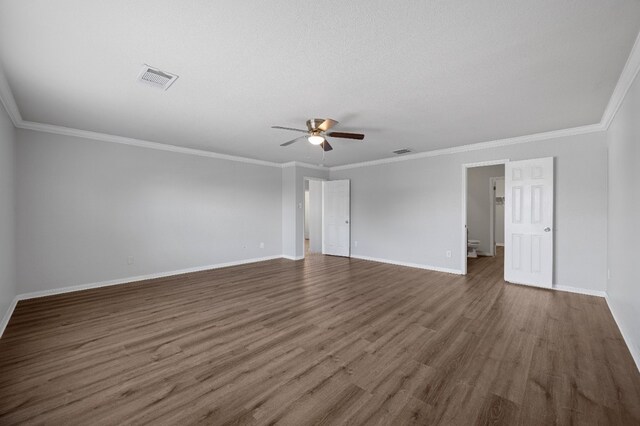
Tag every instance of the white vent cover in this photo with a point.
(156, 78)
(401, 151)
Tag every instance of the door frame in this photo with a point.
(304, 206)
(463, 234)
(492, 213)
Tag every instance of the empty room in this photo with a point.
(305, 213)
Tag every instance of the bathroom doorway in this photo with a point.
(483, 213)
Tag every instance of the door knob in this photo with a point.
(346, 221)
(547, 229)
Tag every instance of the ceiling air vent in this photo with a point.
(156, 78)
(401, 151)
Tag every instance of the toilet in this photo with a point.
(472, 248)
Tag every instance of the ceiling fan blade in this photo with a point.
(327, 124)
(291, 141)
(345, 135)
(325, 145)
(289, 128)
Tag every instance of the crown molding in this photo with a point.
(67, 131)
(627, 77)
(592, 128)
(8, 101)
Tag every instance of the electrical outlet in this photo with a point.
(448, 253)
(130, 260)
(299, 205)
(261, 245)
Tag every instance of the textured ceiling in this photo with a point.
(423, 75)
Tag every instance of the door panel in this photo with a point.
(336, 226)
(529, 222)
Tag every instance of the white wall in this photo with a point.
(479, 199)
(315, 216)
(85, 206)
(7, 215)
(410, 211)
(623, 288)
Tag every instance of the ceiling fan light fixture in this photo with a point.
(315, 139)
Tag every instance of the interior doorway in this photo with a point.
(326, 221)
(497, 212)
(528, 219)
(482, 212)
(312, 216)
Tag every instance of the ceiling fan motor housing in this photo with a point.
(314, 123)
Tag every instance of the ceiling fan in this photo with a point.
(317, 129)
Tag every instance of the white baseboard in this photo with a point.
(7, 315)
(410, 265)
(578, 290)
(500, 244)
(588, 292)
(126, 280)
(292, 257)
(635, 353)
(484, 253)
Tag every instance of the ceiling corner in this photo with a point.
(9, 102)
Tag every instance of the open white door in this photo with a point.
(528, 219)
(336, 227)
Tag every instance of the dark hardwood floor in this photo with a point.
(321, 341)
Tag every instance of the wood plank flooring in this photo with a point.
(322, 341)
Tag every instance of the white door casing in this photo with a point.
(336, 221)
(528, 217)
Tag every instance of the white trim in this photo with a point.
(67, 131)
(588, 292)
(500, 244)
(568, 289)
(492, 217)
(635, 354)
(486, 163)
(322, 219)
(7, 315)
(292, 257)
(304, 165)
(408, 264)
(592, 128)
(627, 77)
(465, 168)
